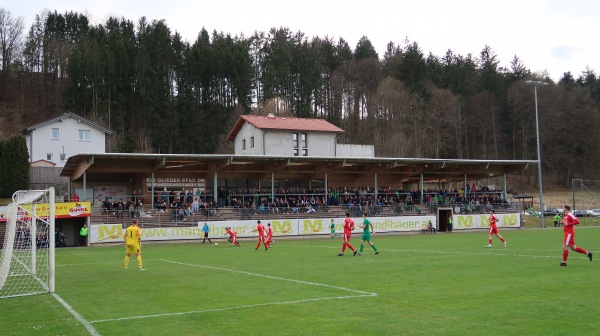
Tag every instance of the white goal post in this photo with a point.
(27, 255)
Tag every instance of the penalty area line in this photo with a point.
(86, 323)
(273, 277)
(233, 308)
(506, 252)
(358, 294)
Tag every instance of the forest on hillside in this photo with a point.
(160, 93)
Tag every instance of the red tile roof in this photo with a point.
(283, 123)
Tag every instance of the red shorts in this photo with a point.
(569, 239)
(261, 239)
(493, 230)
(347, 237)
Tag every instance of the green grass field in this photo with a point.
(420, 284)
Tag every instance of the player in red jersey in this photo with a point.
(232, 236)
(494, 230)
(569, 241)
(261, 236)
(269, 235)
(348, 228)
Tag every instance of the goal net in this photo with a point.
(27, 255)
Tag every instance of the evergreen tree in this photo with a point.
(14, 165)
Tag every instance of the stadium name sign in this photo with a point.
(108, 233)
(177, 182)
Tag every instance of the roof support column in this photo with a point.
(504, 188)
(466, 192)
(152, 191)
(215, 191)
(376, 190)
(326, 196)
(421, 186)
(84, 186)
(272, 186)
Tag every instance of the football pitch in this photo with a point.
(420, 284)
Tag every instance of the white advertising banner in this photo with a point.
(465, 222)
(112, 233)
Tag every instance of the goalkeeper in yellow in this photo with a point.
(133, 242)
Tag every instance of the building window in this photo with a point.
(55, 134)
(63, 157)
(243, 144)
(300, 143)
(251, 142)
(49, 157)
(84, 135)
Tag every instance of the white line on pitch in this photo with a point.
(95, 263)
(360, 294)
(272, 277)
(235, 308)
(457, 252)
(79, 318)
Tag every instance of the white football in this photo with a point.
(216, 243)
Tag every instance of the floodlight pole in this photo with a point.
(535, 85)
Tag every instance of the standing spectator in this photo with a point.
(66, 197)
(261, 236)
(348, 228)
(366, 236)
(556, 219)
(569, 240)
(205, 231)
(75, 197)
(494, 230)
(133, 244)
(83, 234)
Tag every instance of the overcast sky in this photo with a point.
(547, 35)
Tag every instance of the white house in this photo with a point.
(57, 139)
(285, 136)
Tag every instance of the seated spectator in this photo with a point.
(106, 205)
(432, 228)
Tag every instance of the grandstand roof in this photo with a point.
(341, 171)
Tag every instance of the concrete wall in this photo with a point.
(347, 150)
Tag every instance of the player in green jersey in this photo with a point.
(332, 228)
(366, 236)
